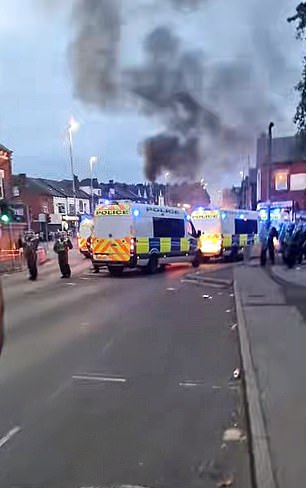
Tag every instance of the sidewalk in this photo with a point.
(295, 276)
(275, 335)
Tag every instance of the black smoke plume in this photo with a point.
(211, 111)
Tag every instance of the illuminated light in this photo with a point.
(132, 246)
(263, 214)
(211, 244)
(223, 216)
(5, 219)
(241, 216)
(106, 202)
(188, 217)
(136, 212)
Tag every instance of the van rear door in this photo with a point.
(112, 234)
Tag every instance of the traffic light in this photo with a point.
(6, 213)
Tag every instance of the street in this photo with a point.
(124, 381)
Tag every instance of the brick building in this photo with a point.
(284, 179)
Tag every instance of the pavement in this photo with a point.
(273, 336)
(121, 381)
(295, 276)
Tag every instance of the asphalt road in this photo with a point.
(125, 380)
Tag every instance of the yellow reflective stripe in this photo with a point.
(243, 239)
(142, 245)
(184, 244)
(165, 244)
(227, 240)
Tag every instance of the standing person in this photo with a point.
(30, 248)
(271, 245)
(263, 237)
(62, 247)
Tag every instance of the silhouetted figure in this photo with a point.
(30, 247)
(62, 246)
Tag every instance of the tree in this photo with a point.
(300, 114)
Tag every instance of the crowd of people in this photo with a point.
(290, 240)
(29, 246)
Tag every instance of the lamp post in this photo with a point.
(271, 125)
(92, 161)
(72, 127)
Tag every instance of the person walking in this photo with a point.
(263, 238)
(62, 247)
(30, 253)
(273, 234)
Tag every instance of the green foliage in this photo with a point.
(300, 114)
(300, 16)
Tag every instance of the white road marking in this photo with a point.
(188, 384)
(232, 435)
(103, 379)
(70, 284)
(170, 289)
(228, 310)
(4, 440)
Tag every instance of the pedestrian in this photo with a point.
(273, 234)
(263, 237)
(61, 247)
(30, 247)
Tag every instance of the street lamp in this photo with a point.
(92, 161)
(73, 126)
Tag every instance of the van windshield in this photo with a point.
(209, 226)
(114, 227)
(85, 231)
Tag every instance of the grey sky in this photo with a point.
(37, 86)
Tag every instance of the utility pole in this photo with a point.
(269, 167)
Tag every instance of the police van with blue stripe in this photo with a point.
(225, 232)
(130, 235)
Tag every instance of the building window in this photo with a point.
(71, 209)
(45, 207)
(61, 208)
(85, 207)
(298, 182)
(2, 195)
(281, 181)
(81, 205)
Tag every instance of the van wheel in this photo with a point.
(115, 270)
(152, 266)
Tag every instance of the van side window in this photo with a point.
(245, 226)
(168, 227)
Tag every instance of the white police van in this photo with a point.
(130, 235)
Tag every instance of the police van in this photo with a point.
(225, 232)
(129, 235)
(84, 233)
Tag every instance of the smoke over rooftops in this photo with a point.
(210, 110)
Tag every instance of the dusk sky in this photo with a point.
(37, 85)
